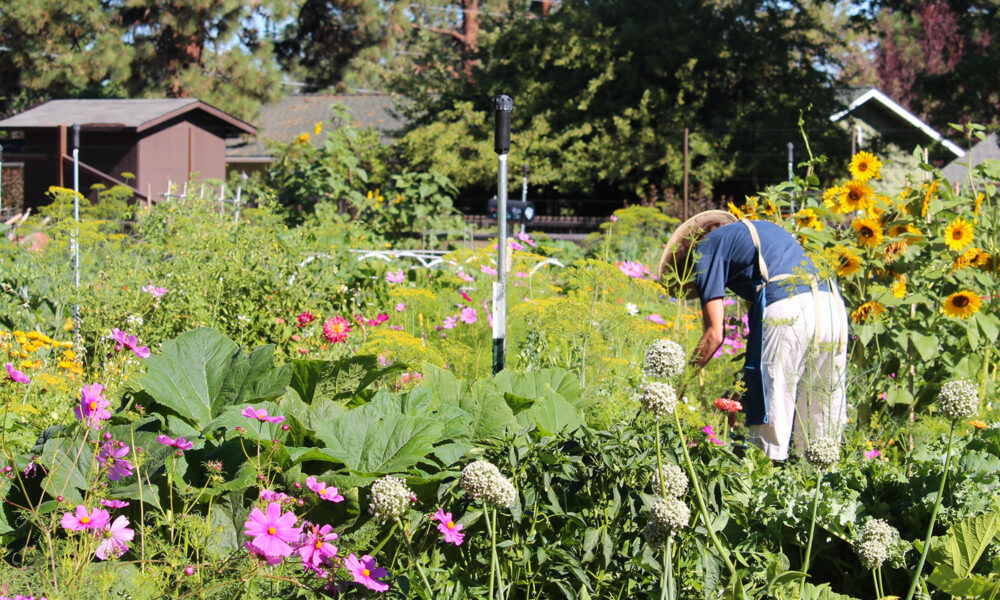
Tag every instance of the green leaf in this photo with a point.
(68, 463)
(338, 380)
(491, 417)
(966, 541)
(368, 442)
(553, 415)
(926, 345)
(545, 383)
(988, 324)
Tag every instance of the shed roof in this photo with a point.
(289, 117)
(139, 114)
(854, 98)
(958, 169)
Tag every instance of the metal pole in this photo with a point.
(76, 216)
(524, 188)
(502, 107)
(1, 179)
(686, 170)
(791, 167)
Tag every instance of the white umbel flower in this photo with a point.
(823, 453)
(875, 542)
(674, 479)
(659, 398)
(665, 359)
(390, 499)
(667, 516)
(958, 399)
(483, 481)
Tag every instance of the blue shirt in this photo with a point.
(726, 258)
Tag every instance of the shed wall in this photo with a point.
(173, 152)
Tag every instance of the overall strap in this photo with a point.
(761, 265)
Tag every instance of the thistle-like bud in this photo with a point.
(390, 499)
(823, 453)
(665, 359)
(483, 481)
(875, 543)
(659, 398)
(958, 399)
(670, 514)
(674, 480)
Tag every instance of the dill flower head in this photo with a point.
(659, 398)
(865, 166)
(390, 499)
(875, 542)
(666, 517)
(823, 453)
(674, 480)
(483, 481)
(665, 359)
(958, 399)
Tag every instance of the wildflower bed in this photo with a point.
(228, 419)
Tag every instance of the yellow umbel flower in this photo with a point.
(865, 166)
(847, 261)
(806, 218)
(962, 304)
(856, 195)
(958, 234)
(869, 232)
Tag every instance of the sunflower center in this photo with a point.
(961, 301)
(854, 195)
(366, 572)
(957, 234)
(862, 166)
(867, 232)
(271, 531)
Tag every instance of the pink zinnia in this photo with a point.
(82, 520)
(154, 291)
(468, 315)
(395, 276)
(317, 548)
(336, 329)
(272, 530)
(446, 525)
(655, 318)
(488, 270)
(93, 406)
(115, 537)
(180, 443)
(261, 415)
(15, 375)
(366, 573)
(631, 268)
(728, 406)
(305, 318)
(325, 492)
(112, 457)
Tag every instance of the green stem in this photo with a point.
(413, 557)
(812, 530)
(930, 526)
(491, 524)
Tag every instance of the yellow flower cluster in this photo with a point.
(30, 343)
(754, 209)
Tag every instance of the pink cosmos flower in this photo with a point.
(114, 503)
(154, 291)
(305, 318)
(93, 406)
(254, 551)
(465, 276)
(395, 277)
(465, 296)
(129, 341)
(614, 218)
(261, 415)
(82, 520)
(112, 457)
(469, 316)
(272, 530)
(115, 537)
(382, 317)
(396, 327)
(371, 322)
(514, 245)
(269, 496)
(524, 237)
(366, 573)
(655, 318)
(446, 525)
(711, 435)
(400, 307)
(15, 375)
(316, 548)
(325, 492)
(488, 269)
(450, 322)
(873, 453)
(520, 274)
(180, 443)
(336, 329)
(631, 268)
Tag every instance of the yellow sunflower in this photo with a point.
(318, 127)
(847, 261)
(867, 311)
(303, 138)
(869, 232)
(856, 195)
(929, 192)
(958, 234)
(899, 288)
(865, 166)
(736, 212)
(978, 206)
(807, 218)
(962, 304)
(894, 251)
(831, 198)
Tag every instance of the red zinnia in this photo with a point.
(305, 318)
(728, 406)
(336, 329)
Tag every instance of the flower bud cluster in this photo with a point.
(665, 359)
(674, 480)
(958, 399)
(667, 516)
(659, 399)
(483, 481)
(823, 453)
(875, 543)
(390, 499)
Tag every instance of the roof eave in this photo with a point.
(239, 125)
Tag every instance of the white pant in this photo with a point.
(804, 381)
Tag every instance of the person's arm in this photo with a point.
(713, 314)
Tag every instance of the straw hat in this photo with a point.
(679, 245)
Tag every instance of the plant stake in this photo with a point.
(502, 107)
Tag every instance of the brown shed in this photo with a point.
(156, 140)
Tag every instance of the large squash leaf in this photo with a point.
(545, 383)
(339, 380)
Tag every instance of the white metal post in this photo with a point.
(502, 107)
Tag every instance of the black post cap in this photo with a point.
(76, 135)
(502, 106)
